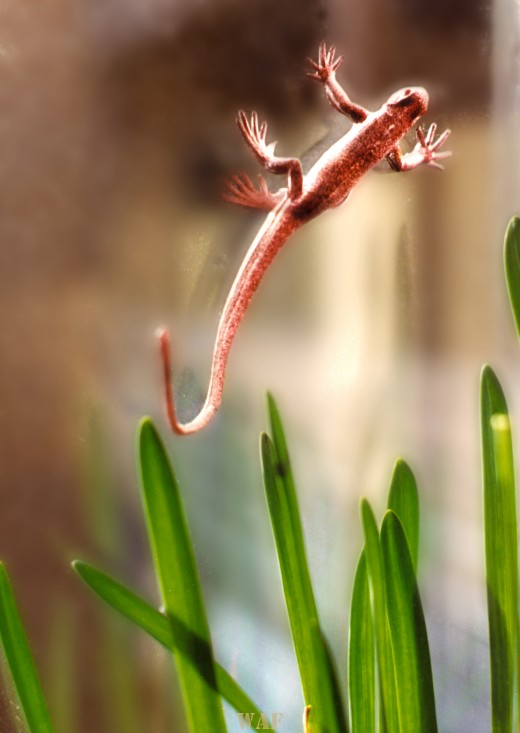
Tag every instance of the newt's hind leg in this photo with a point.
(254, 135)
(241, 191)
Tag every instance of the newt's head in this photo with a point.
(411, 102)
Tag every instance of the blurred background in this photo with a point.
(117, 130)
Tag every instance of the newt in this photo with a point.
(373, 137)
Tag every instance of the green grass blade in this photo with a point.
(361, 655)
(156, 625)
(128, 603)
(284, 466)
(319, 685)
(501, 549)
(403, 499)
(333, 691)
(20, 660)
(388, 707)
(512, 267)
(284, 462)
(413, 672)
(178, 579)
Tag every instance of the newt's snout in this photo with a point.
(422, 99)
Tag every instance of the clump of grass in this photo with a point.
(389, 662)
(390, 682)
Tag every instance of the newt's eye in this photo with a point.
(404, 101)
(413, 99)
(402, 98)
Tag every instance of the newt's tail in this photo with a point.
(275, 231)
(209, 408)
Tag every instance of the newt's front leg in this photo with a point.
(425, 151)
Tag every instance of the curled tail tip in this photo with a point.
(169, 403)
(209, 408)
(184, 428)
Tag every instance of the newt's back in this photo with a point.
(334, 175)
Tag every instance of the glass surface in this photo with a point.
(117, 131)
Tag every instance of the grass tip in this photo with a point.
(366, 511)
(389, 517)
(487, 373)
(365, 505)
(265, 439)
(491, 388)
(513, 223)
(267, 449)
(145, 423)
(401, 465)
(271, 402)
(484, 370)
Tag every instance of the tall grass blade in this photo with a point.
(284, 465)
(388, 707)
(20, 660)
(361, 656)
(501, 540)
(413, 673)
(316, 673)
(512, 267)
(178, 579)
(403, 500)
(156, 625)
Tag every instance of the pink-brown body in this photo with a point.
(372, 138)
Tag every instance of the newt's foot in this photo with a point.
(327, 64)
(254, 134)
(241, 191)
(427, 146)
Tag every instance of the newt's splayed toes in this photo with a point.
(374, 136)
